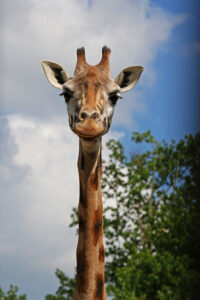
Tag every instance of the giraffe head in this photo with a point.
(91, 94)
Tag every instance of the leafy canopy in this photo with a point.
(11, 294)
(152, 219)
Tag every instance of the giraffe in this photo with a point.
(90, 96)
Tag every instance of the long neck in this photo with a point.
(90, 249)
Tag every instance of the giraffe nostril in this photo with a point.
(92, 115)
(95, 115)
(83, 115)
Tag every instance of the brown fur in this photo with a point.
(97, 229)
(82, 197)
(98, 293)
(90, 266)
(101, 254)
(97, 174)
(82, 161)
(81, 222)
(82, 276)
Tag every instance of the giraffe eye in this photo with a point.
(114, 98)
(67, 94)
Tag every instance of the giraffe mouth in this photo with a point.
(89, 129)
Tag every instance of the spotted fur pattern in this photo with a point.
(90, 98)
(90, 249)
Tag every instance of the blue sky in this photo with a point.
(38, 175)
(177, 82)
(173, 102)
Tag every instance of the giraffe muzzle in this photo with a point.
(89, 128)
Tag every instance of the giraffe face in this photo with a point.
(90, 97)
(91, 94)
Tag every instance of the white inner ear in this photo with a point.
(50, 68)
(127, 82)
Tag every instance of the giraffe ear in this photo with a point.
(55, 73)
(128, 78)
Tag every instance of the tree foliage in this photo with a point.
(66, 288)
(11, 294)
(151, 219)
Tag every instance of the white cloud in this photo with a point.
(36, 30)
(35, 208)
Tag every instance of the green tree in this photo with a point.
(151, 219)
(152, 228)
(11, 294)
(66, 288)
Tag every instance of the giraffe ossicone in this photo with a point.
(90, 95)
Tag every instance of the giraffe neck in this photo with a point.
(90, 249)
